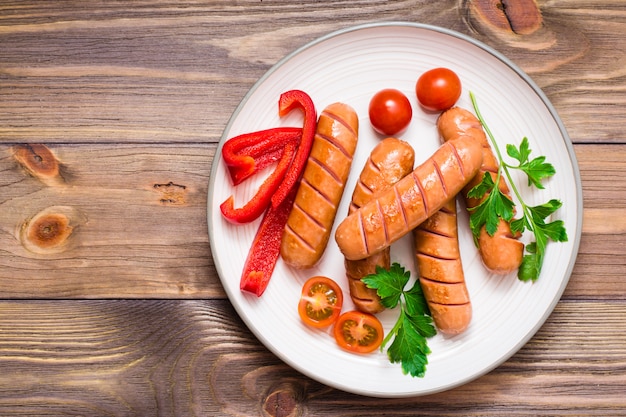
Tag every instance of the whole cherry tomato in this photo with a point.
(390, 111)
(438, 89)
(320, 302)
(358, 332)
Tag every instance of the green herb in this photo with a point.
(414, 325)
(498, 206)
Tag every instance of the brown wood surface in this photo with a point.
(110, 114)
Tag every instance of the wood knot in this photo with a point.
(518, 27)
(39, 161)
(171, 193)
(49, 231)
(283, 401)
(504, 18)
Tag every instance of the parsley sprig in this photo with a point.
(497, 205)
(414, 325)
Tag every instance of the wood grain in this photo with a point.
(141, 226)
(164, 358)
(140, 223)
(110, 114)
(155, 72)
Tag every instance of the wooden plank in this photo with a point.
(141, 226)
(184, 358)
(601, 257)
(130, 99)
(139, 218)
(112, 73)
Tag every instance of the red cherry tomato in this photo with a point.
(320, 302)
(358, 332)
(438, 89)
(390, 111)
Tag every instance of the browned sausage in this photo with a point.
(441, 271)
(501, 253)
(395, 212)
(323, 181)
(388, 162)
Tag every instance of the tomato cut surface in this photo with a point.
(358, 332)
(390, 111)
(438, 89)
(320, 302)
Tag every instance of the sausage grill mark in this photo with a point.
(421, 193)
(502, 252)
(459, 160)
(324, 195)
(403, 206)
(322, 166)
(295, 234)
(389, 161)
(438, 170)
(336, 144)
(362, 186)
(385, 226)
(362, 231)
(405, 218)
(321, 187)
(440, 231)
(340, 120)
(441, 272)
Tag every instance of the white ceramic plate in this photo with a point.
(350, 66)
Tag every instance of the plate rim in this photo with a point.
(575, 239)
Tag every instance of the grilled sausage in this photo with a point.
(501, 253)
(308, 228)
(395, 212)
(388, 162)
(441, 271)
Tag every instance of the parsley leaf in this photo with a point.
(497, 205)
(409, 346)
(491, 209)
(415, 302)
(536, 170)
(389, 284)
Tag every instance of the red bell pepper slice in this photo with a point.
(261, 199)
(265, 248)
(248, 153)
(243, 157)
(288, 101)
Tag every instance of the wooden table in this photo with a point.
(110, 114)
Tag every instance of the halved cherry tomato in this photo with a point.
(390, 111)
(320, 302)
(438, 89)
(358, 332)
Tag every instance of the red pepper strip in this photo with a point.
(265, 248)
(250, 152)
(288, 101)
(261, 200)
